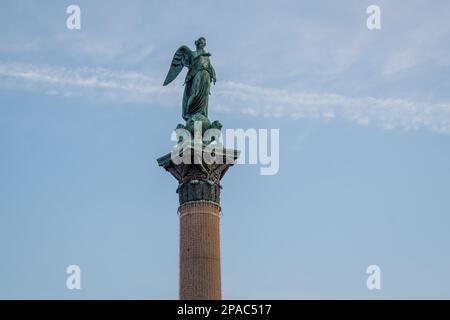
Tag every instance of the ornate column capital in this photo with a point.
(199, 180)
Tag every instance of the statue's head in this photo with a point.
(200, 43)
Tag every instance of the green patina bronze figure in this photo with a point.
(197, 83)
(199, 180)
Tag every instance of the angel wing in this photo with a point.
(182, 58)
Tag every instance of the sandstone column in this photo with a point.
(200, 250)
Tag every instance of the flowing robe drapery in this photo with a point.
(197, 87)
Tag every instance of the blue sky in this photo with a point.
(364, 120)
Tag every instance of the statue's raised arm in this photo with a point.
(182, 58)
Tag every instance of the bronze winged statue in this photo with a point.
(198, 79)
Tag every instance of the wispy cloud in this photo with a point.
(83, 81)
(422, 46)
(132, 87)
(14, 47)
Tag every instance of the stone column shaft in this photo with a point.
(200, 274)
